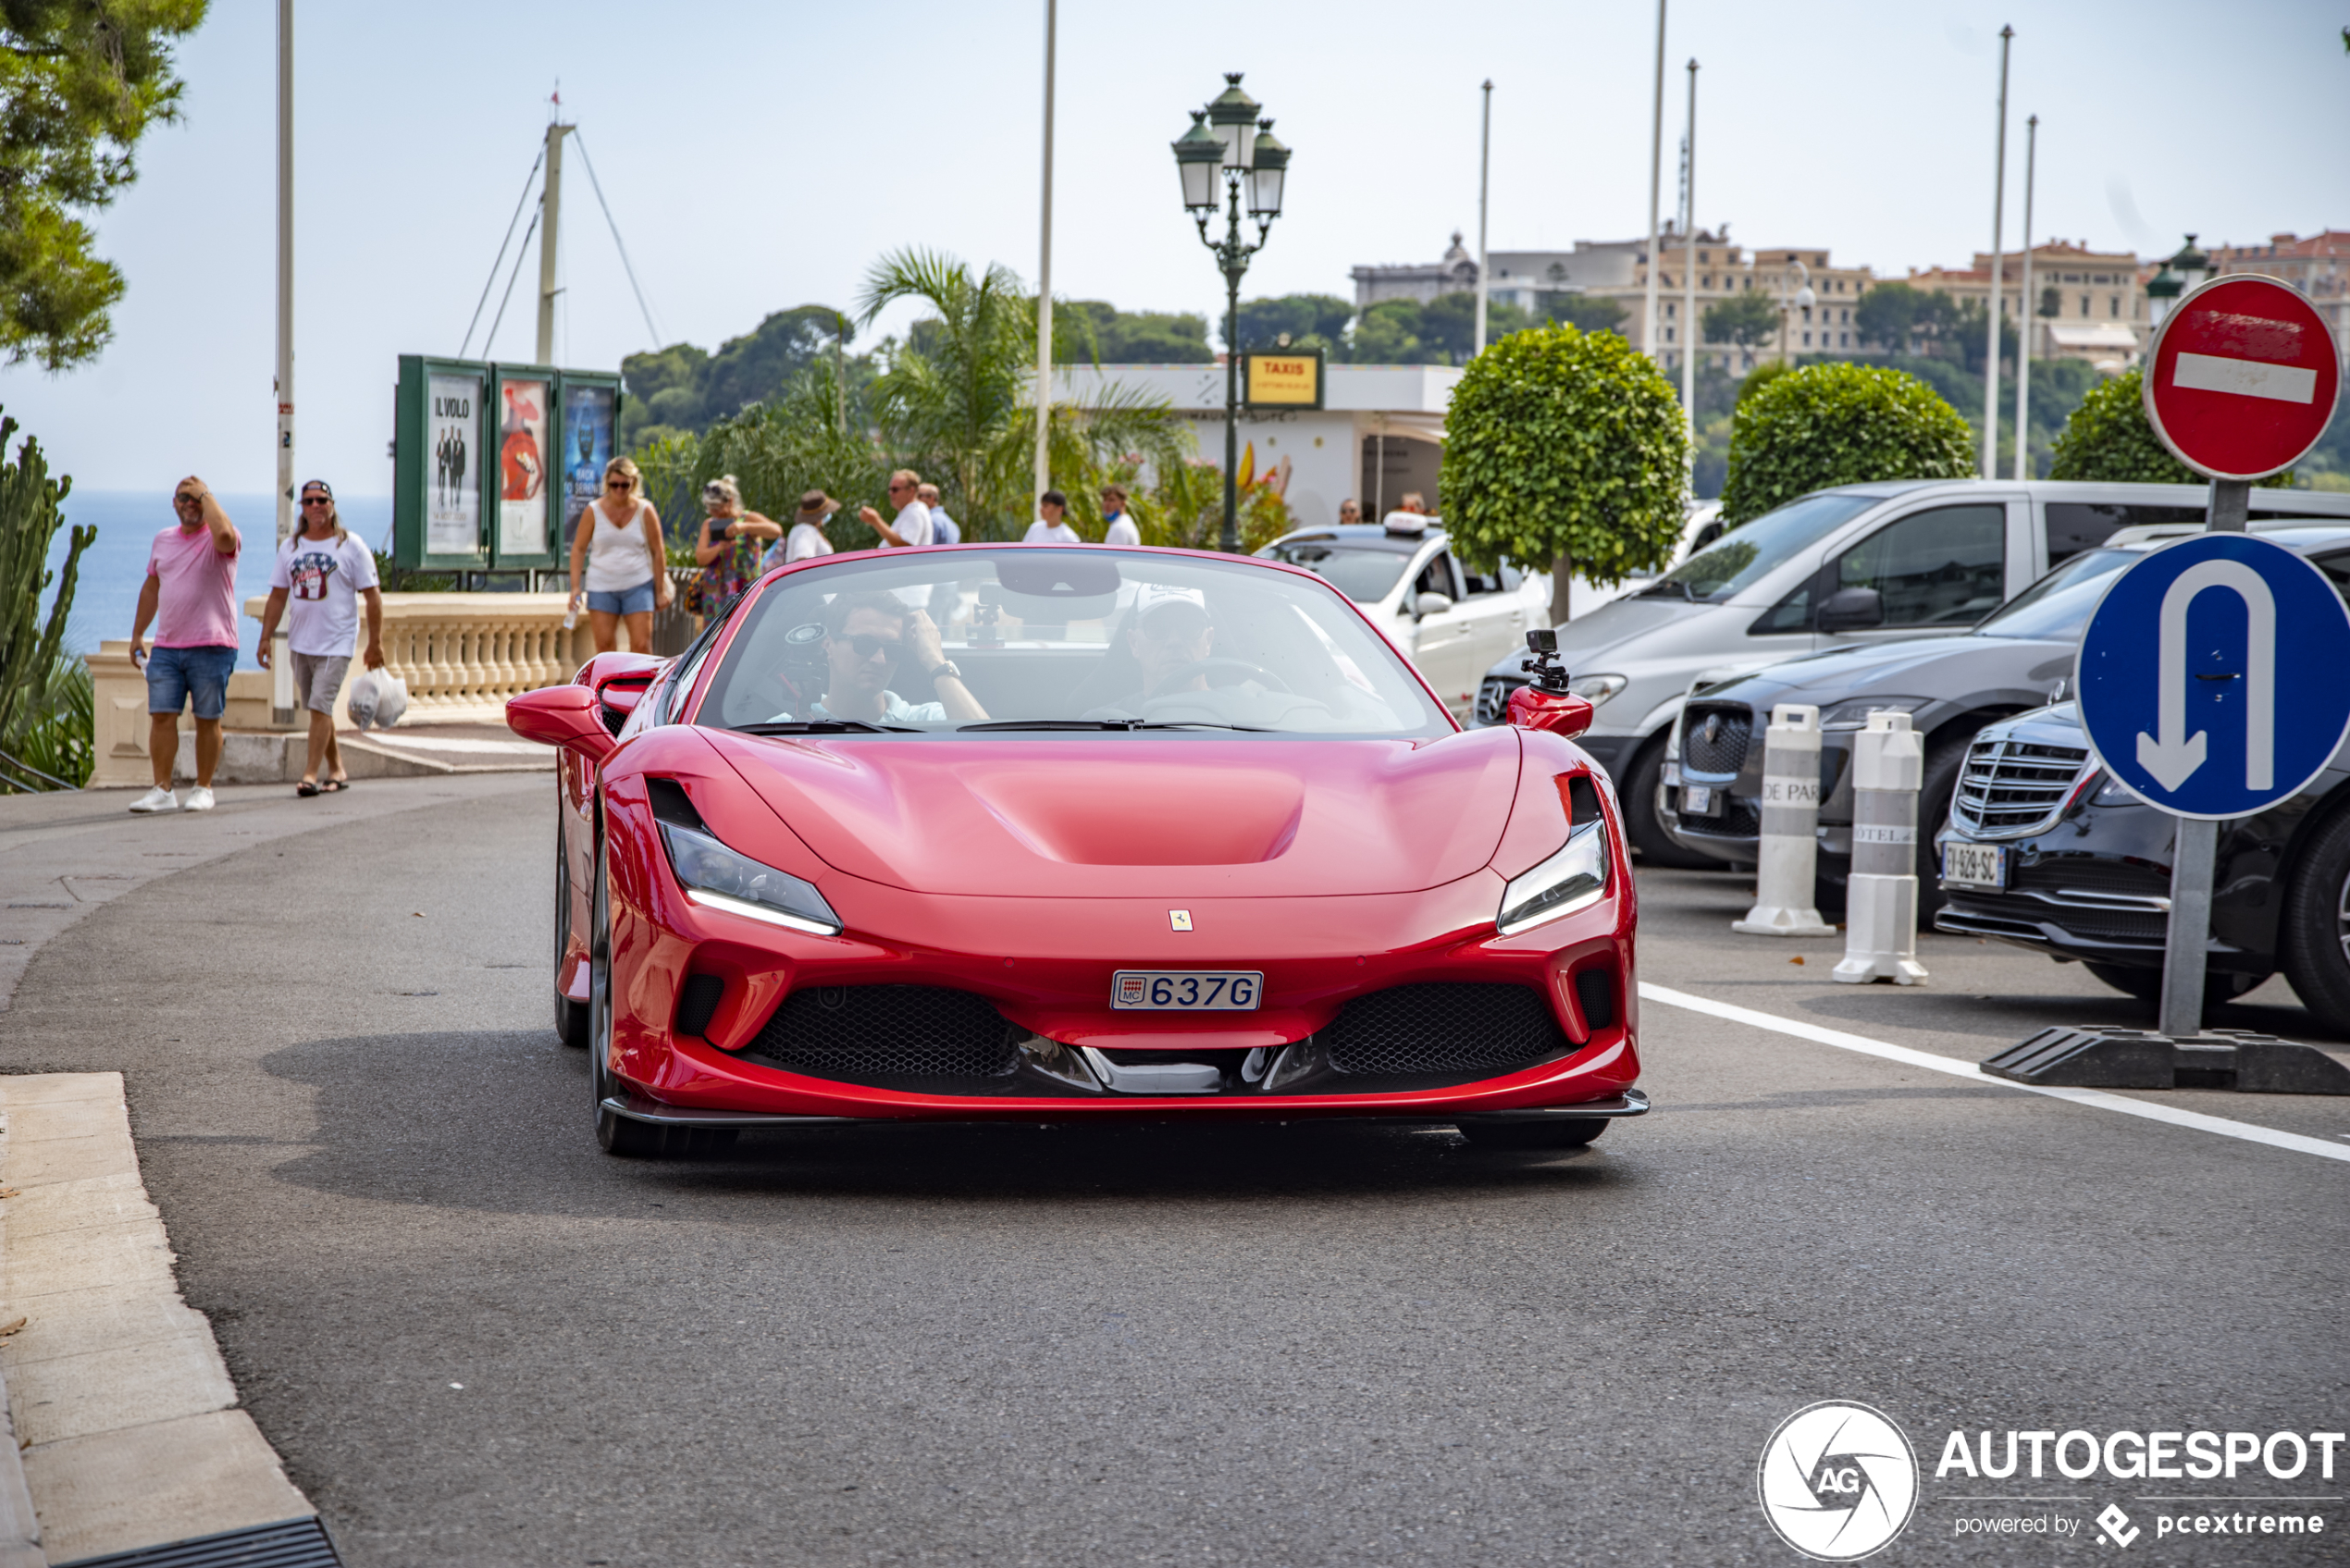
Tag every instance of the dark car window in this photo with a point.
(1487, 582)
(2060, 604)
(1363, 570)
(2076, 525)
(1946, 567)
(1755, 550)
(1437, 577)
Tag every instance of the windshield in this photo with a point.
(2057, 606)
(1753, 551)
(1363, 570)
(1059, 640)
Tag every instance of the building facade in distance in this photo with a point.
(2090, 304)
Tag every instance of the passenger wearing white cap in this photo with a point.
(1171, 632)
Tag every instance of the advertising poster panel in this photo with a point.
(452, 433)
(587, 438)
(522, 468)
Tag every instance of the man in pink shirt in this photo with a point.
(191, 594)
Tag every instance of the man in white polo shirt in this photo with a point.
(913, 524)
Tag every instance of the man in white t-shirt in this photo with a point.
(326, 574)
(1048, 529)
(1121, 529)
(912, 527)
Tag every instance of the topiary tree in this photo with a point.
(1827, 425)
(2110, 438)
(1565, 449)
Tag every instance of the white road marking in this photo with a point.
(2246, 377)
(2097, 1098)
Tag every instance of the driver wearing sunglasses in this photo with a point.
(869, 638)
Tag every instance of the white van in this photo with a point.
(1859, 563)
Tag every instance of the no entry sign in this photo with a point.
(2241, 377)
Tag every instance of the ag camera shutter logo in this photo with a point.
(1837, 1481)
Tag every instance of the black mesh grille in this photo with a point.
(1713, 740)
(1444, 1028)
(861, 1031)
(2095, 874)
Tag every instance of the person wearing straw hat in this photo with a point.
(806, 539)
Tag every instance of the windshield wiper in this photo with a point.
(823, 727)
(1197, 725)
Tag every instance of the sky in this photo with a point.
(758, 158)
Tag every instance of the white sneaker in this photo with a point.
(199, 799)
(158, 800)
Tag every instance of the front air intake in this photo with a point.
(1443, 1027)
(861, 1033)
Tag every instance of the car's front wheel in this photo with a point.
(571, 1018)
(615, 1134)
(1636, 795)
(2313, 935)
(1564, 1133)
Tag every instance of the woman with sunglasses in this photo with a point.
(618, 545)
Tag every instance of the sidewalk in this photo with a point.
(131, 1433)
(404, 752)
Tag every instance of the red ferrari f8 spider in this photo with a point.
(1039, 834)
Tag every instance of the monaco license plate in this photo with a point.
(1187, 991)
(1697, 800)
(1975, 865)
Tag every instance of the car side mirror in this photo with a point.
(1560, 712)
(1431, 604)
(1852, 609)
(568, 716)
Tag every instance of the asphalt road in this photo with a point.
(1303, 1345)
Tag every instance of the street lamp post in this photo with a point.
(1227, 138)
(1788, 302)
(2179, 274)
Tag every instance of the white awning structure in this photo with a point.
(2112, 335)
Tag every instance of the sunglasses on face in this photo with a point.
(317, 501)
(615, 484)
(867, 645)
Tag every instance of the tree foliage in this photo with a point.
(1748, 319)
(1825, 425)
(2110, 438)
(1140, 336)
(681, 388)
(1565, 449)
(955, 402)
(29, 521)
(80, 82)
(1591, 312)
(1316, 321)
(777, 450)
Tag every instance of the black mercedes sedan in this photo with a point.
(2018, 659)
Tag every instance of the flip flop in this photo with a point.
(305, 789)
(335, 786)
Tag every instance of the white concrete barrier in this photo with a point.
(1788, 850)
(1881, 908)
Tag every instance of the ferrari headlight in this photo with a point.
(1572, 879)
(716, 876)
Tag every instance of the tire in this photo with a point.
(2219, 989)
(616, 1134)
(571, 1018)
(2313, 926)
(1561, 1135)
(1636, 793)
(1941, 777)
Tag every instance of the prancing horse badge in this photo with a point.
(1179, 920)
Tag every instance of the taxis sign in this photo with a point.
(1283, 378)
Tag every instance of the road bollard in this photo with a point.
(1789, 850)
(1881, 905)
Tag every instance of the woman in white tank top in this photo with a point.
(618, 544)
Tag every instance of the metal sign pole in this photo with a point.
(2188, 935)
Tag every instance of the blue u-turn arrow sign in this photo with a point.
(2214, 677)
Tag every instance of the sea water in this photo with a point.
(106, 597)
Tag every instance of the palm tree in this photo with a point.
(956, 397)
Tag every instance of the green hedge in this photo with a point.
(1827, 425)
(1563, 445)
(2110, 438)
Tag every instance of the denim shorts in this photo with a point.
(637, 601)
(176, 674)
